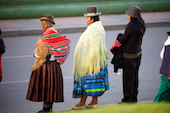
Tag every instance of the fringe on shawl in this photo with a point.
(90, 54)
(42, 52)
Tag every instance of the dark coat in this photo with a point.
(116, 49)
(166, 61)
(2, 46)
(132, 38)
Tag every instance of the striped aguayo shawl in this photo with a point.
(58, 45)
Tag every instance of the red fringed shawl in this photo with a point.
(57, 44)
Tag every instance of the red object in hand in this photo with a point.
(116, 44)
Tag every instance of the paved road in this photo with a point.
(18, 60)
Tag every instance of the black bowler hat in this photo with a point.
(48, 17)
(134, 11)
(92, 11)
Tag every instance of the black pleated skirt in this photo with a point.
(46, 83)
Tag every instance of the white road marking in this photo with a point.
(23, 56)
(10, 82)
(23, 81)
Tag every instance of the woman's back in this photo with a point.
(133, 36)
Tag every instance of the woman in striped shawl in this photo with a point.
(46, 82)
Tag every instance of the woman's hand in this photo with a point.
(34, 52)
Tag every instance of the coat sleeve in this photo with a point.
(126, 34)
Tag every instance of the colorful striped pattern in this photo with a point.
(57, 44)
(95, 90)
(93, 85)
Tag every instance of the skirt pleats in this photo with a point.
(46, 83)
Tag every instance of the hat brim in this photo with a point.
(92, 14)
(128, 13)
(44, 18)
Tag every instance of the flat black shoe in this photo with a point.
(45, 111)
(120, 102)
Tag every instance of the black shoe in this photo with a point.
(45, 110)
(120, 102)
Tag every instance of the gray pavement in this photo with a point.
(24, 27)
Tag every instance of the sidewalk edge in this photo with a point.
(29, 32)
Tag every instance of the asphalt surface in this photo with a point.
(25, 27)
(18, 60)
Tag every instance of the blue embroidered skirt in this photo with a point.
(77, 89)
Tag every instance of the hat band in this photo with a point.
(44, 18)
(92, 14)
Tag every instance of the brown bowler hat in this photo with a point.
(92, 11)
(48, 17)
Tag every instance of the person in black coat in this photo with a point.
(131, 47)
(2, 51)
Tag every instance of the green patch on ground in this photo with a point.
(126, 108)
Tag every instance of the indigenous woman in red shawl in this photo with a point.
(46, 81)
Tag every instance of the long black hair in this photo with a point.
(139, 24)
(96, 18)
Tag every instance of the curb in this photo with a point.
(15, 33)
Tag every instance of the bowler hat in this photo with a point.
(92, 11)
(134, 11)
(48, 17)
